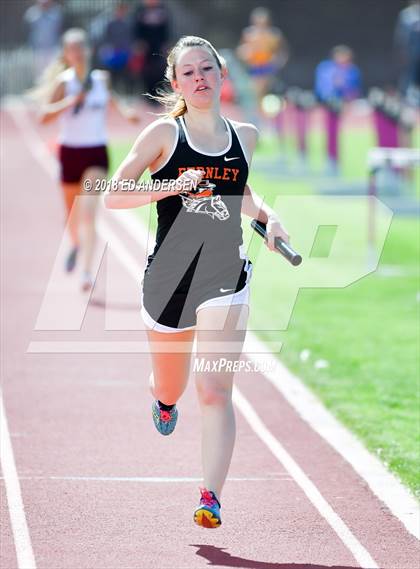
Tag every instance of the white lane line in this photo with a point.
(17, 110)
(23, 545)
(136, 230)
(361, 555)
(124, 257)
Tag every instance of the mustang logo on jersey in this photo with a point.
(202, 200)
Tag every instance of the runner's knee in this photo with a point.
(211, 391)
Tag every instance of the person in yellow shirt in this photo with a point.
(264, 50)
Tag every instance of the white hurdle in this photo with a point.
(379, 159)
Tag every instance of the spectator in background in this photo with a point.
(337, 80)
(407, 44)
(115, 49)
(44, 23)
(264, 50)
(96, 32)
(151, 31)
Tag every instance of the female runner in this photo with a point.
(80, 98)
(196, 284)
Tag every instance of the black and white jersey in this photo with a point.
(199, 246)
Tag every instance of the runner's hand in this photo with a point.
(275, 229)
(79, 99)
(189, 180)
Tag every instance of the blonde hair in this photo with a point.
(174, 102)
(46, 83)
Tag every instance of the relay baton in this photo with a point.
(282, 247)
(86, 86)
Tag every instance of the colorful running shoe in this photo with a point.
(164, 421)
(207, 515)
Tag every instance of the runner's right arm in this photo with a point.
(58, 103)
(154, 143)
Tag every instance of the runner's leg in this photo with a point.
(170, 368)
(89, 207)
(70, 192)
(214, 388)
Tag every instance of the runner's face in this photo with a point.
(75, 54)
(198, 77)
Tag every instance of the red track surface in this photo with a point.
(88, 415)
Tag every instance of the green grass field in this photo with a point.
(367, 331)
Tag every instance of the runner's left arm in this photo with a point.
(253, 206)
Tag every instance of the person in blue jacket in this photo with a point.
(337, 80)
